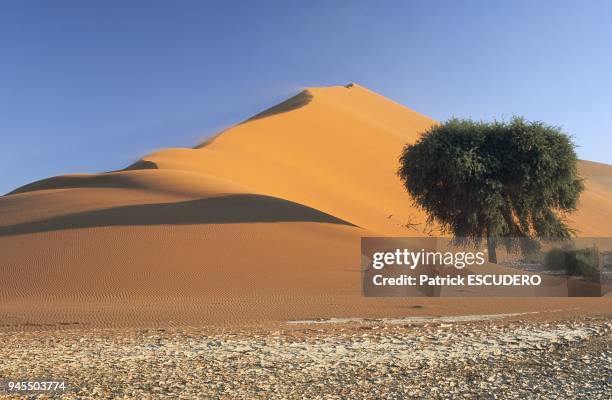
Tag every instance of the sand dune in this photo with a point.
(260, 223)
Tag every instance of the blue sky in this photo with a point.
(92, 86)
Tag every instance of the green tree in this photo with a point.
(509, 182)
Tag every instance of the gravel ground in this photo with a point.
(463, 360)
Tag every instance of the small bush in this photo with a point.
(555, 259)
(575, 262)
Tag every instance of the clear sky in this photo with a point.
(92, 86)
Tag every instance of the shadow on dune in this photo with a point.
(141, 164)
(229, 209)
(104, 180)
(298, 101)
(293, 103)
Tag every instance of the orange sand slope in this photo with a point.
(261, 223)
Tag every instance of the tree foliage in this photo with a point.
(499, 180)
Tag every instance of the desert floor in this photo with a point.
(511, 357)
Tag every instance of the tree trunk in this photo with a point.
(491, 245)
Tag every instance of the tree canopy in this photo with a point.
(499, 180)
